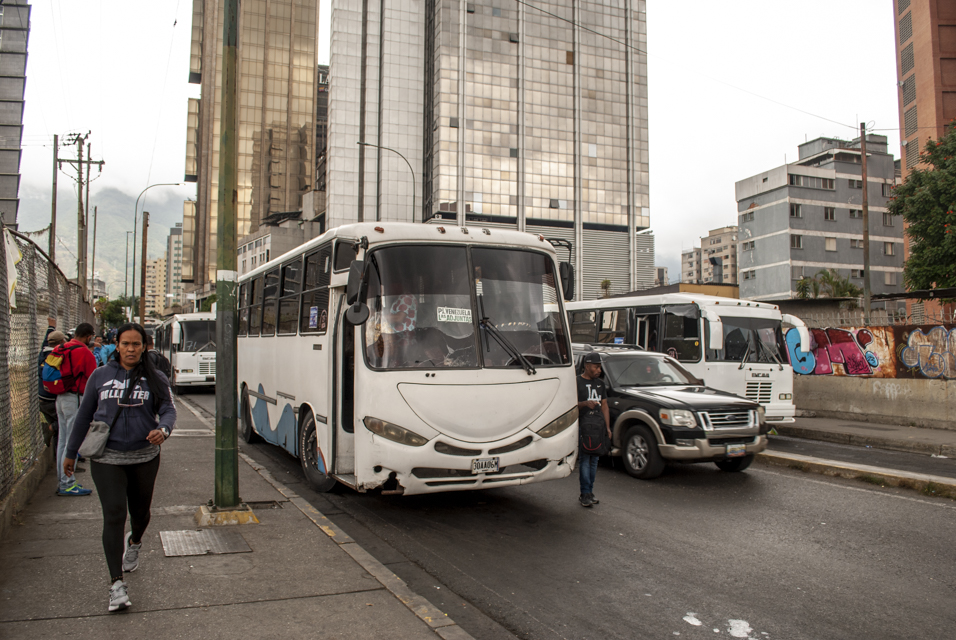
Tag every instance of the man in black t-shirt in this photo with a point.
(592, 406)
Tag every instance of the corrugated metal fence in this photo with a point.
(41, 290)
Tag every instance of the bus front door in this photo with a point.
(344, 436)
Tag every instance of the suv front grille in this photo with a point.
(760, 392)
(726, 419)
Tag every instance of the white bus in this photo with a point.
(411, 358)
(733, 345)
(188, 340)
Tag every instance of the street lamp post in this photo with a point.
(414, 190)
(135, 210)
(126, 273)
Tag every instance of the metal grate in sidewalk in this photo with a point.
(203, 542)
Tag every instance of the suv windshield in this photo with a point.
(750, 340)
(644, 370)
(423, 308)
(198, 335)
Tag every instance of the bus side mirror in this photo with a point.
(177, 331)
(567, 280)
(715, 340)
(358, 311)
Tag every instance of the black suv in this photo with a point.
(659, 412)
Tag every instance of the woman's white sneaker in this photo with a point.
(119, 598)
(131, 555)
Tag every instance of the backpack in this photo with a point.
(161, 363)
(57, 371)
(592, 434)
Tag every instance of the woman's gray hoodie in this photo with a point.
(104, 391)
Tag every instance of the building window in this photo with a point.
(855, 184)
(830, 244)
(750, 275)
(811, 182)
(747, 217)
(796, 273)
(889, 278)
(747, 246)
(796, 242)
(856, 273)
(856, 214)
(795, 211)
(856, 244)
(829, 213)
(796, 181)
(887, 219)
(888, 249)
(887, 190)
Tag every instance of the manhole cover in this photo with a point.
(203, 542)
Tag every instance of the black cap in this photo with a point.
(592, 358)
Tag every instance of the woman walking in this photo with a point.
(135, 398)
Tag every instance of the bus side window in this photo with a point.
(613, 326)
(255, 306)
(243, 309)
(682, 333)
(344, 255)
(289, 297)
(583, 326)
(270, 292)
(314, 307)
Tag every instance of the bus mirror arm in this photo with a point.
(716, 339)
(358, 311)
(801, 328)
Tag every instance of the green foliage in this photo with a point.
(927, 201)
(207, 303)
(606, 288)
(829, 284)
(113, 313)
(805, 288)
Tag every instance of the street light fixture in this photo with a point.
(135, 210)
(369, 144)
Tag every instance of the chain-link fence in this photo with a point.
(41, 291)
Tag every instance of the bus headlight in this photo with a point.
(393, 432)
(184, 370)
(678, 417)
(557, 426)
(786, 396)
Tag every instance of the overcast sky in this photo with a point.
(119, 70)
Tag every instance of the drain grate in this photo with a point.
(203, 542)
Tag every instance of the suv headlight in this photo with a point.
(557, 426)
(761, 415)
(678, 417)
(393, 432)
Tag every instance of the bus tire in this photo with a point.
(308, 456)
(248, 433)
(732, 465)
(642, 459)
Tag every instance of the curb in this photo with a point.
(24, 488)
(438, 621)
(926, 484)
(908, 446)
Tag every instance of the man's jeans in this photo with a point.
(587, 469)
(67, 405)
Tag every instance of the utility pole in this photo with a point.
(93, 259)
(227, 400)
(81, 213)
(142, 274)
(56, 171)
(86, 224)
(866, 231)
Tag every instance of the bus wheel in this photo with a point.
(734, 464)
(308, 455)
(245, 417)
(641, 457)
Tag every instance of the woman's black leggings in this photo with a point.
(120, 486)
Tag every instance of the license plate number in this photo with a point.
(484, 465)
(736, 450)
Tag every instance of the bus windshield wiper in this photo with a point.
(206, 345)
(770, 353)
(743, 360)
(507, 345)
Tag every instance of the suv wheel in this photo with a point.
(735, 464)
(640, 454)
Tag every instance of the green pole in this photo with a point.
(227, 445)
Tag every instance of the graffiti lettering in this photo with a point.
(932, 353)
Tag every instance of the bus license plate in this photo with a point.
(736, 450)
(484, 465)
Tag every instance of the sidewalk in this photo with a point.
(302, 578)
(879, 436)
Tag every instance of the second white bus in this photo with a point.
(733, 345)
(188, 340)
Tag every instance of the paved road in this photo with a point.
(763, 554)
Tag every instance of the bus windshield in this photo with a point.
(198, 335)
(426, 307)
(750, 340)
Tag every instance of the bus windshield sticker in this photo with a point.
(451, 314)
(313, 317)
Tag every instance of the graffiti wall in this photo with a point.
(877, 352)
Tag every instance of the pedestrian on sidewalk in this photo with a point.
(47, 400)
(592, 405)
(135, 398)
(78, 365)
(160, 362)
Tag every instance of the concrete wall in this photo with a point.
(904, 401)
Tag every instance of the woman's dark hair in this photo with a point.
(145, 368)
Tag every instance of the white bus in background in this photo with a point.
(411, 358)
(733, 345)
(188, 340)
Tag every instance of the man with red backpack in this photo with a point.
(75, 363)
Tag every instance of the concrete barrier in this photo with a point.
(916, 402)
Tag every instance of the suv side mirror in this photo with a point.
(358, 311)
(567, 280)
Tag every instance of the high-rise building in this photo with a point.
(276, 122)
(805, 217)
(926, 76)
(174, 266)
(523, 116)
(715, 262)
(660, 277)
(156, 286)
(14, 34)
(690, 266)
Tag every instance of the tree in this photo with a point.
(606, 288)
(208, 302)
(926, 201)
(808, 288)
(836, 287)
(114, 314)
